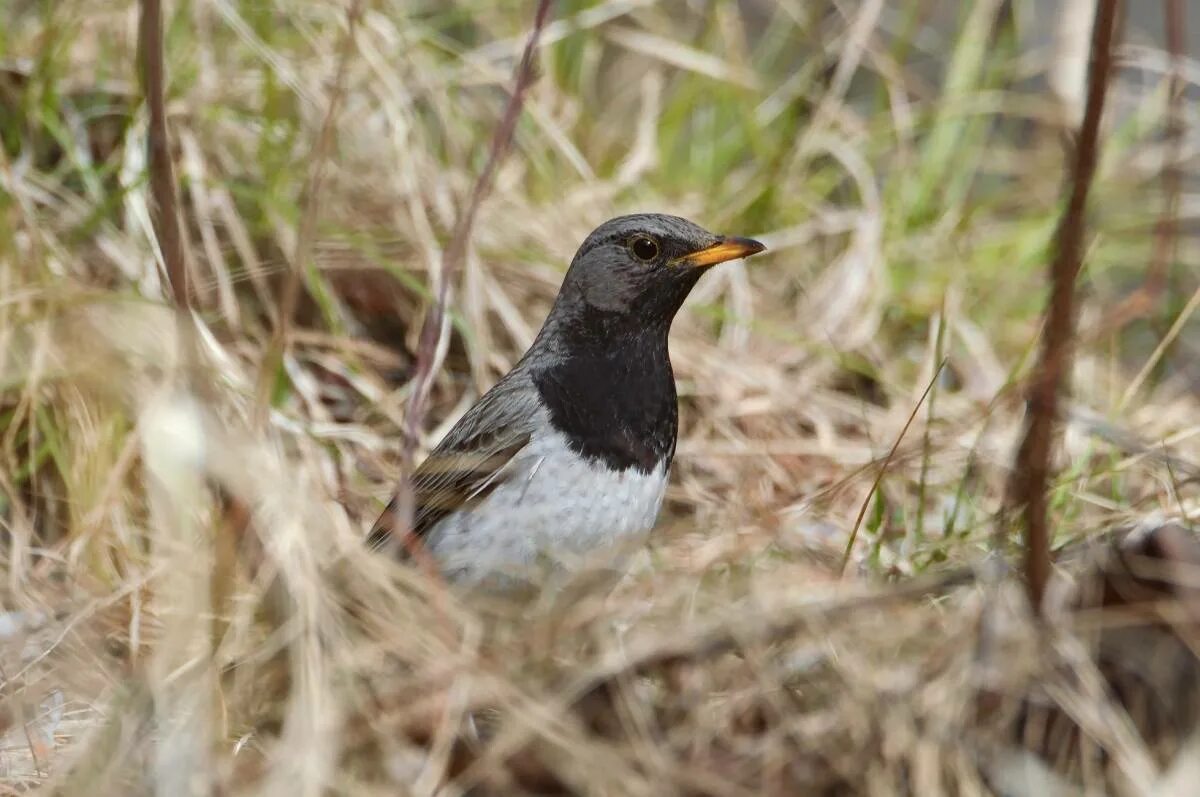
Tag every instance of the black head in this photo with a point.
(633, 272)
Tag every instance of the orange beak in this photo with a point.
(727, 248)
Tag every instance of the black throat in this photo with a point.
(614, 399)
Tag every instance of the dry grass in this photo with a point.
(188, 606)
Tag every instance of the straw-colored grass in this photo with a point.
(188, 606)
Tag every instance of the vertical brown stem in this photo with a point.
(164, 205)
(1032, 465)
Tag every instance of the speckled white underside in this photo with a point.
(552, 505)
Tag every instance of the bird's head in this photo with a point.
(634, 272)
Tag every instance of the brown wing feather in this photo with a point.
(466, 466)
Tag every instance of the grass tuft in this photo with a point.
(828, 605)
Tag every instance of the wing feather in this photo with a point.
(469, 462)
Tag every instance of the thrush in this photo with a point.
(568, 454)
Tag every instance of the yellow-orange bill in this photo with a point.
(730, 248)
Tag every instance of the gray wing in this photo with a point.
(468, 463)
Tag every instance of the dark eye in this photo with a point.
(644, 248)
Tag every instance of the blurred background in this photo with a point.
(183, 556)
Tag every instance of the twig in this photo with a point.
(310, 214)
(164, 205)
(452, 258)
(1027, 487)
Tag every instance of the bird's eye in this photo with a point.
(644, 248)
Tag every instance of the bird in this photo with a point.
(568, 454)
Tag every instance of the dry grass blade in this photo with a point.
(883, 466)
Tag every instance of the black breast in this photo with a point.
(618, 405)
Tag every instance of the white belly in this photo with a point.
(552, 505)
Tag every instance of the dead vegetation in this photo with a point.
(187, 605)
